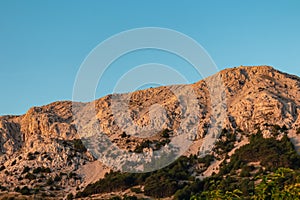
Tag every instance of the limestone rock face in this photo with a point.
(260, 95)
(255, 96)
(11, 139)
(249, 98)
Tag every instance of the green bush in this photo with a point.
(245, 172)
(176, 179)
(271, 154)
(70, 196)
(160, 186)
(225, 143)
(207, 159)
(161, 183)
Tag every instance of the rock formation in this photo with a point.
(250, 98)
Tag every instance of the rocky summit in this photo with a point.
(42, 153)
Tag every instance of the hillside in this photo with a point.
(43, 151)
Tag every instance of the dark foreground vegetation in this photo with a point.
(262, 169)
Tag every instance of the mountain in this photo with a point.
(42, 154)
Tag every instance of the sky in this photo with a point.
(44, 43)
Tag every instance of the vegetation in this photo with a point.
(124, 135)
(41, 170)
(275, 175)
(298, 130)
(57, 178)
(136, 190)
(70, 196)
(30, 176)
(26, 191)
(78, 145)
(2, 168)
(31, 156)
(161, 183)
(130, 198)
(75, 144)
(284, 183)
(225, 143)
(145, 144)
(2, 188)
(124, 198)
(13, 163)
(26, 169)
(155, 145)
(271, 154)
(49, 181)
(165, 133)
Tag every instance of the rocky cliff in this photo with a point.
(47, 138)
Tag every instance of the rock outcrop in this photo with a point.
(249, 98)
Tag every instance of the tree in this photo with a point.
(275, 186)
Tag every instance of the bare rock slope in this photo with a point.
(41, 148)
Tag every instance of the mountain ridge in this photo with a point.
(257, 98)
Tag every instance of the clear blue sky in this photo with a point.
(43, 43)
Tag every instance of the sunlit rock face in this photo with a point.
(247, 98)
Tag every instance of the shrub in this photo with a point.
(25, 190)
(72, 175)
(165, 133)
(160, 187)
(184, 193)
(79, 146)
(271, 153)
(207, 159)
(37, 170)
(116, 198)
(26, 169)
(136, 190)
(41, 170)
(49, 181)
(225, 143)
(123, 135)
(2, 168)
(165, 141)
(245, 171)
(31, 156)
(130, 198)
(145, 144)
(30, 176)
(70, 196)
(57, 178)
(161, 183)
(13, 163)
